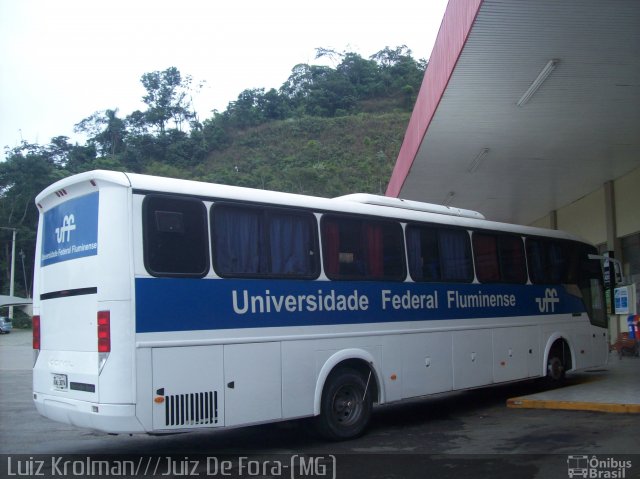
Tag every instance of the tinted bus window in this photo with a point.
(513, 267)
(252, 241)
(499, 258)
(589, 279)
(485, 254)
(548, 261)
(175, 236)
(439, 254)
(362, 249)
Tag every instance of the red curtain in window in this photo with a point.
(485, 250)
(375, 248)
(331, 247)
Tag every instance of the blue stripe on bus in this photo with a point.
(172, 304)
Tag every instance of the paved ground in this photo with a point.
(465, 435)
(614, 388)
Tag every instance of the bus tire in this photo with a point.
(555, 371)
(345, 407)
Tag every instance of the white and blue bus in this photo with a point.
(166, 305)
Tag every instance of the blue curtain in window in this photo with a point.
(454, 252)
(414, 251)
(290, 238)
(237, 241)
(558, 263)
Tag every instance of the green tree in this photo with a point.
(105, 130)
(398, 69)
(361, 73)
(28, 169)
(167, 98)
(246, 110)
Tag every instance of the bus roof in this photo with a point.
(360, 203)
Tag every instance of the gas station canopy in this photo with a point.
(526, 106)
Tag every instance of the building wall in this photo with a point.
(586, 217)
(627, 191)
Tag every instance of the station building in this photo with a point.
(529, 112)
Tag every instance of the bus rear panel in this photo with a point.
(83, 334)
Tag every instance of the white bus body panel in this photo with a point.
(68, 295)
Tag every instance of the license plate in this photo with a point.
(60, 381)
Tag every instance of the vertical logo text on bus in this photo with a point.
(547, 304)
(68, 225)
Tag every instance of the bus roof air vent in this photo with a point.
(410, 205)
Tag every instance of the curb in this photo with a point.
(524, 403)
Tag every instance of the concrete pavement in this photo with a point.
(613, 388)
(16, 353)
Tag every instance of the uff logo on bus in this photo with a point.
(68, 225)
(547, 304)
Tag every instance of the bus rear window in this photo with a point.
(175, 236)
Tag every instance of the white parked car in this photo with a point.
(5, 325)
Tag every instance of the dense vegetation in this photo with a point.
(325, 131)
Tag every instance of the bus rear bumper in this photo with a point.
(111, 418)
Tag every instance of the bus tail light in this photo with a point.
(36, 338)
(104, 331)
(104, 338)
(36, 332)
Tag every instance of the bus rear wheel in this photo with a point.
(346, 405)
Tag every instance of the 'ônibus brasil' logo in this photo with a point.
(68, 225)
(547, 304)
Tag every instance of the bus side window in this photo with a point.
(254, 241)
(499, 258)
(439, 254)
(485, 253)
(536, 257)
(362, 249)
(292, 250)
(548, 261)
(558, 263)
(455, 255)
(424, 254)
(513, 267)
(237, 240)
(175, 236)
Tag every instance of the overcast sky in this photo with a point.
(62, 60)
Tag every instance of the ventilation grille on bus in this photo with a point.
(191, 409)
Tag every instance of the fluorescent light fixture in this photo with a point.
(475, 163)
(537, 83)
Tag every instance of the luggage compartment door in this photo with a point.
(253, 383)
(188, 387)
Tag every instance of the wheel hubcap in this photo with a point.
(346, 405)
(556, 369)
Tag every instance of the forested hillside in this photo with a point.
(326, 131)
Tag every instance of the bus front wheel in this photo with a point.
(555, 371)
(345, 407)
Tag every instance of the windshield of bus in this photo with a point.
(591, 286)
